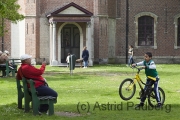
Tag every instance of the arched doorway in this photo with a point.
(70, 41)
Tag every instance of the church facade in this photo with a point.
(53, 28)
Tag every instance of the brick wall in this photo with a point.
(7, 37)
(165, 10)
(104, 10)
(30, 43)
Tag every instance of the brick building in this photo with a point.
(52, 28)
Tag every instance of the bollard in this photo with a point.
(72, 61)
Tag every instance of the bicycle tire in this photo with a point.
(124, 92)
(152, 99)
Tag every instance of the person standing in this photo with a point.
(3, 58)
(130, 52)
(85, 56)
(67, 59)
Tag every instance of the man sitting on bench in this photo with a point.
(3, 58)
(30, 72)
(2, 66)
(11, 65)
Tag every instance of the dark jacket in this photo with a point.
(85, 55)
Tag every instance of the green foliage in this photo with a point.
(97, 87)
(9, 11)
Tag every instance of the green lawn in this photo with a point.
(92, 94)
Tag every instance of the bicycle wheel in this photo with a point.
(127, 89)
(152, 99)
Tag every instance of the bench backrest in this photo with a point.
(26, 90)
(34, 92)
(15, 61)
(32, 88)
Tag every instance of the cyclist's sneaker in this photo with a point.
(159, 105)
(139, 105)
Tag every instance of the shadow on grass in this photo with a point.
(92, 111)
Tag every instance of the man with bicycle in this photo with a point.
(150, 70)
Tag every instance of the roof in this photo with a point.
(70, 9)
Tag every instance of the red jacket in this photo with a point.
(30, 72)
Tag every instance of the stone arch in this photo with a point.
(59, 37)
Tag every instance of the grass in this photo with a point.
(92, 94)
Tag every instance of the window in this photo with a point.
(66, 42)
(27, 28)
(118, 4)
(101, 29)
(103, 1)
(145, 31)
(31, 1)
(32, 28)
(178, 33)
(106, 30)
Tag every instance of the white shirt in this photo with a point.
(67, 59)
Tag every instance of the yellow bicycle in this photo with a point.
(127, 89)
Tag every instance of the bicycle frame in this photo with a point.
(137, 79)
(127, 88)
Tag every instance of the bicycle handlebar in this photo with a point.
(138, 68)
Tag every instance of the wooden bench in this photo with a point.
(22, 92)
(37, 100)
(11, 69)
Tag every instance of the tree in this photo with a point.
(9, 11)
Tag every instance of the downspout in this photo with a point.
(127, 28)
(2, 34)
